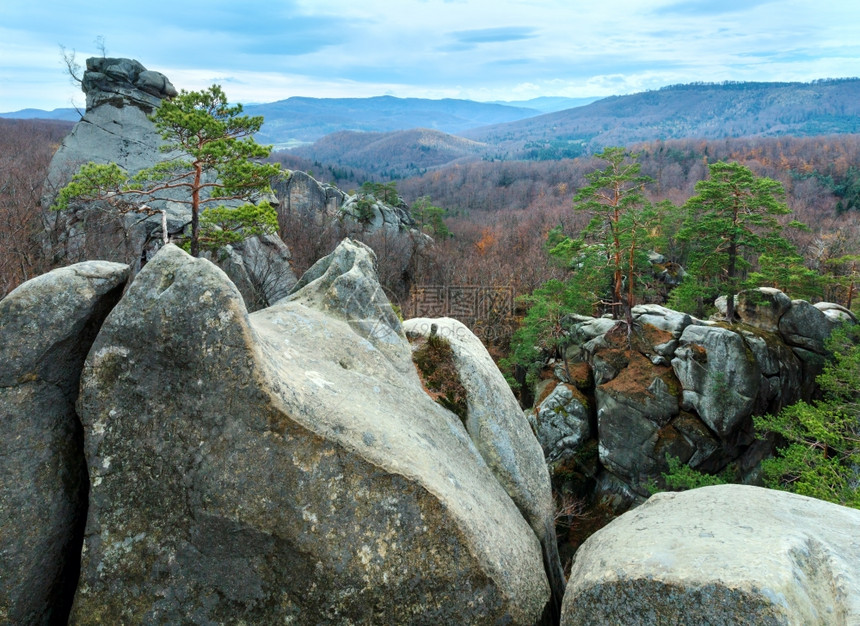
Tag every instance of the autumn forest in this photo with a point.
(500, 217)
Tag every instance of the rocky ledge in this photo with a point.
(288, 465)
(612, 411)
(285, 465)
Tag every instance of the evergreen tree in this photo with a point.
(821, 452)
(620, 213)
(731, 218)
(430, 218)
(213, 161)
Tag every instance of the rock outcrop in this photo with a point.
(679, 387)
(561, 421)
(501, 432)
(306, 196)
(285, 465)
(731, 554)
(355, 214)
(121, 94)
(47, 326)
(119, 81)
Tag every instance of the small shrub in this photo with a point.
(435, 363)
(681, 477)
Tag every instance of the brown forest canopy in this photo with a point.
(499, 211)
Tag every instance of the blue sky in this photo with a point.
(262, 51)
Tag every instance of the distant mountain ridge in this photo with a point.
(706, 110)
(300, 120)
(405, 136)
(548, 104)
(67, 115)
(698, 110)
(395, 154)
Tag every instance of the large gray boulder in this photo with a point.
(46, 328)
(304, 195)
(676, 387)
(836, 312)
(731, 554)
(260, 269)
(560, 422)
(495, 421)
(806, 326)
(283, 467)
(762, 307)
(365, 213)
(344, 285)
(501, 432)
(633, 413)
(781, 380)
(121, 94)
(109, 80)
(662, 328)
(359, 214)
(719, 376)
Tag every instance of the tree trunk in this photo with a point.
(165, 237)
(195, 210)
(730, 297)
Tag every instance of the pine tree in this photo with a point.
(731, 218)
(614, 196)
(213, 162)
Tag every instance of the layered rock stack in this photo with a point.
(677, 387)
(121, 95)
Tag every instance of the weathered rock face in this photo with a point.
(495, 421)
(120, 80)
(806, 326)
(284, 466)
(762, 308)
(115, 127)
(719, 376)
(370, 215)
(301, 193)
(836, 312)
(46, 328)
(501, 432)
(121, 94)
(560, 422)
(358, 214)
(343, 284)
(730, 555)
(682, 387)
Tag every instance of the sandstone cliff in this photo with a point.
(121, 94)
(610, 415)
(282, 465)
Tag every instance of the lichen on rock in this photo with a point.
(282, 466)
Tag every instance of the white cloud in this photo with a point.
(514, 49)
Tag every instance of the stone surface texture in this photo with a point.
(501, 432)
(560, 421)
(355, 215)
(732, 554)
(46, 328)
(676, 386)
(284, 466)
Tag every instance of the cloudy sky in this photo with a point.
(262, 51)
